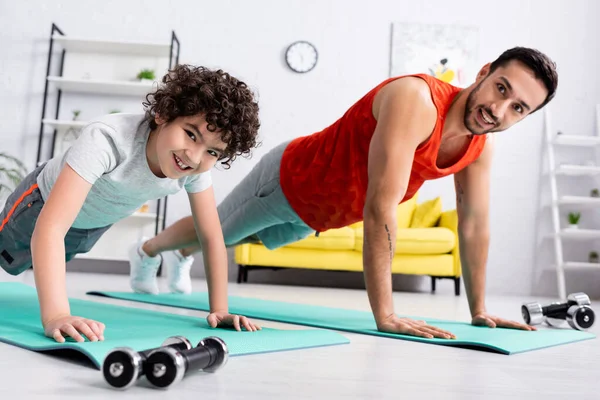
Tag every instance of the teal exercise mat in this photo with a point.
(137, 328)
(505, 341)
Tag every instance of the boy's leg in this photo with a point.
(17, 222)
(79, 241)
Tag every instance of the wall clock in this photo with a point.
(301, 56)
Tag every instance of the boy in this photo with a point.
(194, 119)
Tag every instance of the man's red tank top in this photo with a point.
(324, 175)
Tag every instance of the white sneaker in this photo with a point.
(178, 270)
(143, 269)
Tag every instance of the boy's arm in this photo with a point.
(214, 253)
(48, 249)
(210, 236)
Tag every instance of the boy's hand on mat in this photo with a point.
(68, 325)
(485, 319)
(237, 321)
(406, 326)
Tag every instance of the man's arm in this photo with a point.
(405, 117)
(472, 205)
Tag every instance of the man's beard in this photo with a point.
(470, 108)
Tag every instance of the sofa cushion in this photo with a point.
(405, 212)
(332, 239)
(418, 240)
(427, 214)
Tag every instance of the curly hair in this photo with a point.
(226, 103)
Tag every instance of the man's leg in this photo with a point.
(254, 204)
(181, 235)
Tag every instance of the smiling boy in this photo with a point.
(196, 118)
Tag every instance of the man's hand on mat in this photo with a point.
(68, 325)
(237, 321)
(406, 326)
(485, 319)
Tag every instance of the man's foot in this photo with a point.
(178, 271)
(143, 269)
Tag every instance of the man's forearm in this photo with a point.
(473, 255)
(215, 266)
(379, 244)
(48, 257)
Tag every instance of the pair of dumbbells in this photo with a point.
(576, 311)
(165, 365)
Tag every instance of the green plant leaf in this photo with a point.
(4, 188)
(574, 218)
(15, 160)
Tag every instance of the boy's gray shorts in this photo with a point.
(17, 222)
(256, 209)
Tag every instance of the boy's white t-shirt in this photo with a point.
(110, 154)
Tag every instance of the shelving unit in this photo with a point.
(86, 45)
(573, 202)
(101, 87)
(102, 82)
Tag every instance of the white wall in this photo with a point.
(248, 39)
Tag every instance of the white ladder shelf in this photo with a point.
(578, 202)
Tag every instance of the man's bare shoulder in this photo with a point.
(409, 90)
(488, 151)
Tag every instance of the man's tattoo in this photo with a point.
(389, 242)
(460, 191)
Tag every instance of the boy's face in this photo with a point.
(185, 146)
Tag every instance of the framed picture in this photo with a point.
(448, 52)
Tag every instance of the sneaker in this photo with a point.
(178, 270)
(143, 269)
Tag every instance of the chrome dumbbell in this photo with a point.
(167, 366)
(576, 311)
(123, 366)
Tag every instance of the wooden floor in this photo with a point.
(367, 368)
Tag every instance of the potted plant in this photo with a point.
(595, 193)
(12, 172)
(574, 220)
(146, 75)
(593, 257)
(76, 114)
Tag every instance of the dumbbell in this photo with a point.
(576, 311)
(123, 366)
(167, 366)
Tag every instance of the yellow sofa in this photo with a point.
(429, 251)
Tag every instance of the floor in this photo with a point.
(368, 367)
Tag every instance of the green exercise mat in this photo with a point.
(505, 341)
(137, 328)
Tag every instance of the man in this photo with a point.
(403, 132)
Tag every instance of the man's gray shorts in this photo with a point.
(17, 222)
(256, 209)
